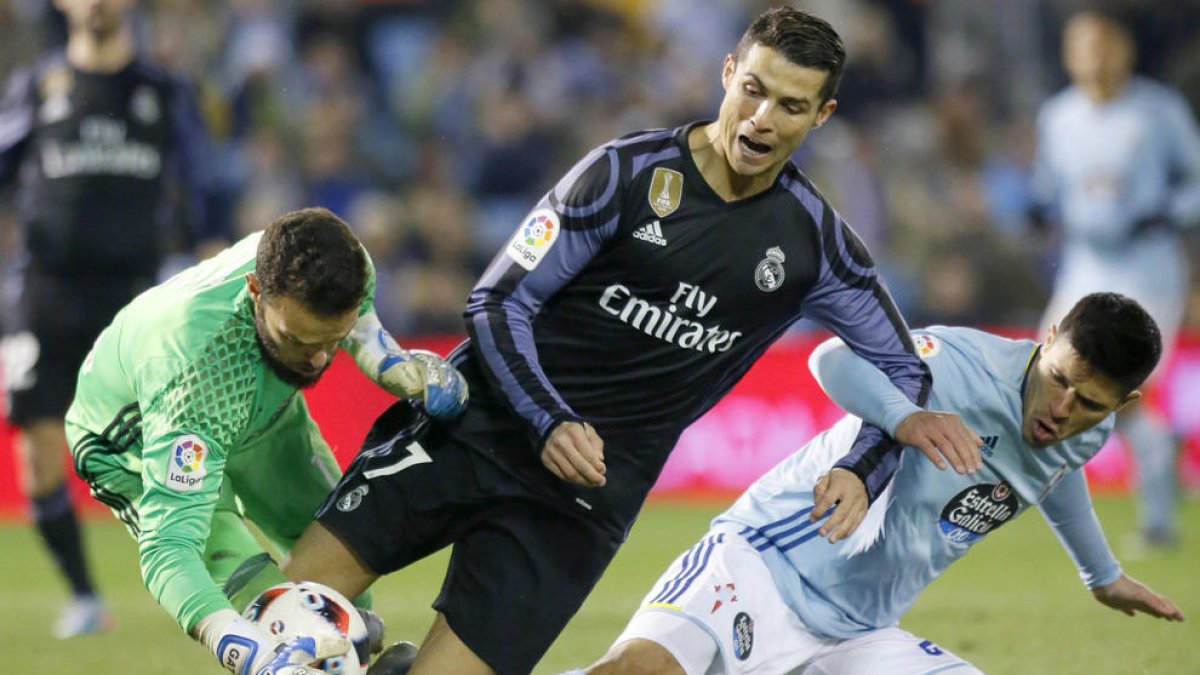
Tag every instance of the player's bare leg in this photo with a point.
(444, 652)
(43, 444)
(637, 657)
(321, 557)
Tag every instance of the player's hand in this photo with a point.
(242, 647)
(445, 389)
(842, 491)
(293, 656)
(1130, 596)
(939, 434)
(417, 373)
(575, 452)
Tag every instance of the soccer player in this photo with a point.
(631, 298)
(1118, 164)
(95, 138)
(763, 593)
(188, 418)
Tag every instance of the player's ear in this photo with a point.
(252, 284)
(1129, 398)
(728, 69)
(1051, 334)
(825, 112)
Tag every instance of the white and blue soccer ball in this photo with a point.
(307, 608)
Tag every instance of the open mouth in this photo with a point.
(1043, 432)
(753, 148)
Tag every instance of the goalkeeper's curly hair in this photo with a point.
(311, 256)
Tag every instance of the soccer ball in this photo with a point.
(307, 608)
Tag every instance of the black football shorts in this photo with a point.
(519, 569)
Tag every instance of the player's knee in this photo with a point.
(637, 657)
(320, 556)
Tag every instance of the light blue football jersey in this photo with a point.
(1104, 167)
(927, 518)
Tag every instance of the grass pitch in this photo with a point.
(1013, 605)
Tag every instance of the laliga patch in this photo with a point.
(186, 468)
(927, 346)
(533, 239)
(743, 636)
(978, 510)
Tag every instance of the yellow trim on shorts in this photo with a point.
(667, 605)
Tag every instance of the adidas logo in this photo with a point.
(651, 232)
(989, 445)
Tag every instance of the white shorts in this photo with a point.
(717, 611)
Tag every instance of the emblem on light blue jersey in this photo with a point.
(743, 636)
(926, 345)
(769, 273)
(989, 445)
(978, 510)
(666, 191)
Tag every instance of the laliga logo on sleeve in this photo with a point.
(186, 469)
(533, 239)
(926, 345)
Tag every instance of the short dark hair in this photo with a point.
(1116, 336)
(311, 256)
(804, 39)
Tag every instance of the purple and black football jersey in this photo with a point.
(634, 297)
(92, 153)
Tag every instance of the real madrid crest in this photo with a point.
(145, 106)
(352, 499)
(769, 273)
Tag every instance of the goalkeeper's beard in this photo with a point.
(275, 362)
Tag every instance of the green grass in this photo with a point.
(1014, 605)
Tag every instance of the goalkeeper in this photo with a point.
(187, 419)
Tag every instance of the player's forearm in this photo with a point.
(1068, 510)
(503, 338)
(858, 387)
(375, 351)
(178, 581)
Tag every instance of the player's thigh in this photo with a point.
(889, 650)
(56, 322)
(517, 575)
(717, 610)
(284, 475)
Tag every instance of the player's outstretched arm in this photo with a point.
(843, 491)
(863, 390)
(1130, 596)
(415, 374)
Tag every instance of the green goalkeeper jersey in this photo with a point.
(173, 388)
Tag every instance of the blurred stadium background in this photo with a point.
(433, 125)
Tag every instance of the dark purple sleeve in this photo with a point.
(192, 164)
(853, 302)
(583, 212)
(16, 122)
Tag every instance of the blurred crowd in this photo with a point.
(434, 125)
